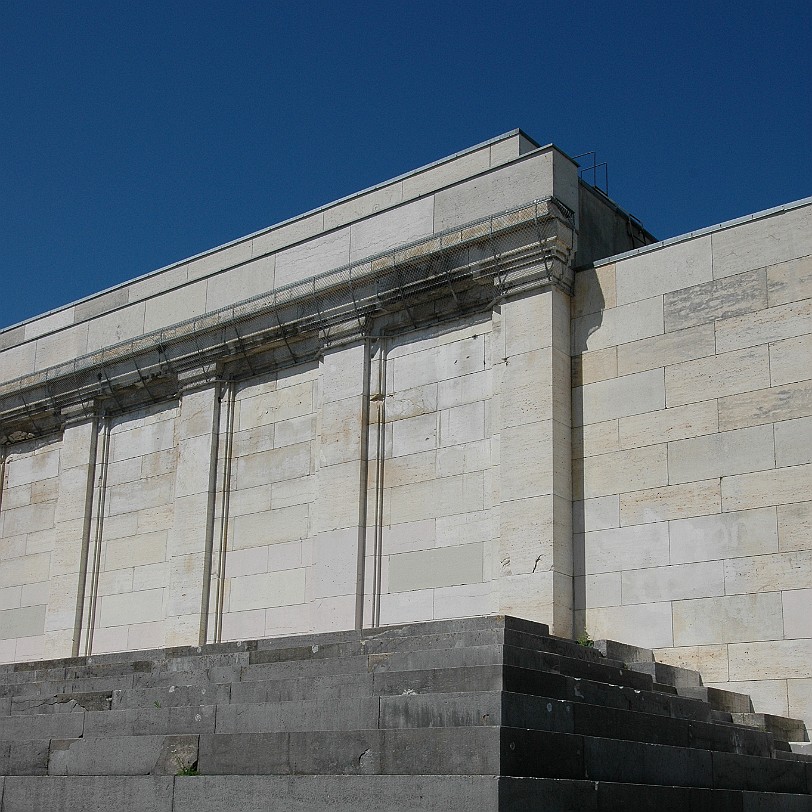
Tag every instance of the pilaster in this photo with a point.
(190, 540)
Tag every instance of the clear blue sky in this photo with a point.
(134, 134)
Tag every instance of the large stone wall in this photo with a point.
(692, 454)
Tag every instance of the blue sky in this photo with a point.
(133, 135)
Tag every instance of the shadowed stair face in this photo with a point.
(482, 713)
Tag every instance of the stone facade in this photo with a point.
(408, 405)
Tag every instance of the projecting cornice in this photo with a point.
(459, 271)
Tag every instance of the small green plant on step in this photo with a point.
(585, 640)
(190, 769)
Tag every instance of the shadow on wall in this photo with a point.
(587, 315)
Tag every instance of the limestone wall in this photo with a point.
(692, 454)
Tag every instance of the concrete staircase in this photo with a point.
(475, 714)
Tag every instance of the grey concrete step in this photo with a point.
(373, 793)
(720, 700)
(780, 726)
(663, 674)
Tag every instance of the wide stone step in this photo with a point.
(373, 793)
(720, 700)
(663, 674)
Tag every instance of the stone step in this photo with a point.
(624, 652)
(663, 674)
(781, 727)
(373, 793)
(720, 700)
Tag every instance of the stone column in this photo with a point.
(190, 540)
(73, 520)
(535, 482)
(338, 518)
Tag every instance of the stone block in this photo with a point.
(799, 697)
(465, 600)
(773, 659)
(651, 273)
(427, 569)
(440, 497)
(677, 582)
(462, 424)
(498, 190)
(636, 469)
(315, 256)
(794, 526)
(267, 589)
(764, 326)
(225, 256)
(338, 496)
(647, 625)
(779, 487)
(342, 373)
(132, 607)
(670, 348)
(626, 548)
(114, 328)
(671, 502)
(595, 439)
(797, 605)
(61, 347)
(26, 621)
(739, 451)
(50, 323)
(761, 242)
(623, 324)
(769, 573)
(790, 281)
(731, 619)
(414, 434)
(594, 290)
(600, 513)
(135, 551)
(765, 406)
(789, 360)
(174, 306)
(590, 367)
(240, 283)
(17, 361)
(27, 569)
(726, 535)
(89, 793)
(387, 230)
(717, 376)
(598, 590)
(275, 465)
(407, 607)
(619, 397)
(530, 456)
(717, 299)
(276, 527)
(335, 564)
(793, 442)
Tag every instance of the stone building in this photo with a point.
(479, 388)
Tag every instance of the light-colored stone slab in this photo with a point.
(619, 397)
(793, 442)
(445, 566)
(719, 299)
(596, 438)
(670, 348)
(589, 367)
(661, 271)
(275, 527)
(779, 487)
(619, 325)
(646, 625)
(624, 471)
(672, 502)
(26, 621)
(625, 548)
(596, 514)
(764, 326)
(776, 659)
(790, 360)
(790, 281)
(769, 573)
(731, 619)
(387, 230)
(794, 526)
(132, 607)
(674, 423)
(797, 605)
(762, 242)
(717, 376)
(726, 535)
(716, 455)
(113, 328)
(682, 581)
(267, 589)
(766, 406)
(312, 257)
(594, 291)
